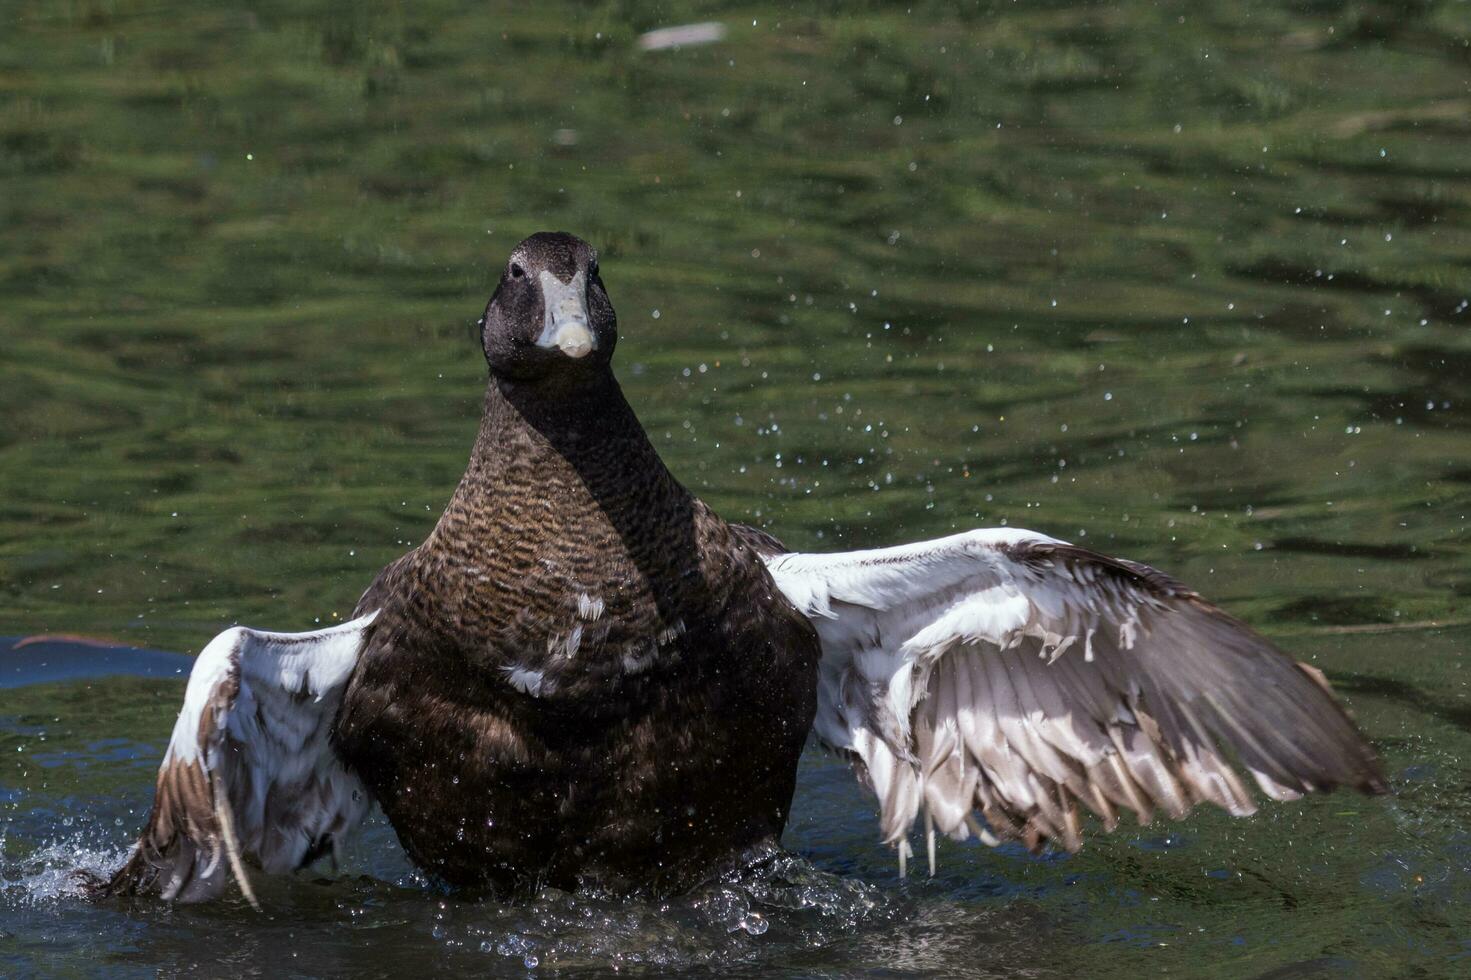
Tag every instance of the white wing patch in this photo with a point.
(250, 772)
(1006, 672)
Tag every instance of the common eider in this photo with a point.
(585, 675)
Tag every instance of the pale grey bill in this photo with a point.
(566, 325)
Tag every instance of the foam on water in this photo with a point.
(53, 872)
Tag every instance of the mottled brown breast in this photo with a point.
(582, 672)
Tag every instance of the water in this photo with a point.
(1184, 282)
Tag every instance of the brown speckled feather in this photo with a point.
(583, 672)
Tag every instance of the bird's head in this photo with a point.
(550, 316)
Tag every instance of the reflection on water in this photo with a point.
(1187, 283)
(42, 659)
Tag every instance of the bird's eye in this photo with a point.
(592, 270)
(516, 271)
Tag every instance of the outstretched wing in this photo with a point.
(250, 772)
(1007, 672)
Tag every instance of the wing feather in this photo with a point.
(1006, 672)
(250, 773)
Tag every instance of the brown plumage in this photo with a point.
(583, 671)
(585, 675)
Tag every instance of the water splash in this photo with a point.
(775, 905)
(54, 871)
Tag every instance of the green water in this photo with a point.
(1185, 282)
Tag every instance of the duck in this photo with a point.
(585, 676)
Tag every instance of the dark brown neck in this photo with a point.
(586, 425)
(571, 473)
(557, 468)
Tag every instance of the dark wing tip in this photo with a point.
(1369, 779)
(135, 877)
(1374, 784)
(1341, 756)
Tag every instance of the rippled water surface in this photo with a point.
(1184, 282)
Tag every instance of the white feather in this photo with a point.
(253, 732)
(1069, 678)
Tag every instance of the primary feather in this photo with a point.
(1014, 675)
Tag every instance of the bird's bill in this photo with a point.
(566, 325)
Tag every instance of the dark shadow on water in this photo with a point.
(1351, 549)
(1410, 696)
(1323, 966)
(1336, 610)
